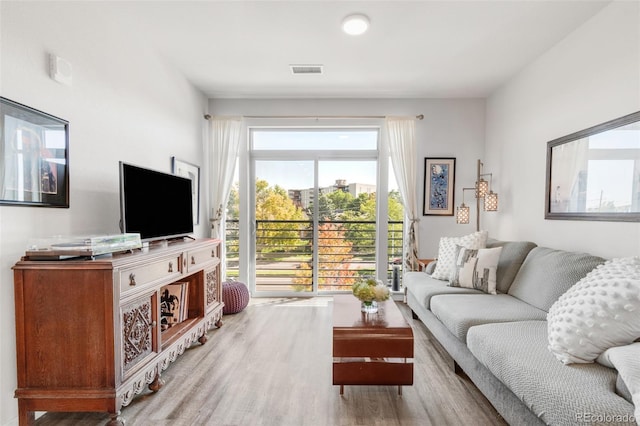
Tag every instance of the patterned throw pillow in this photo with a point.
(476, 269)
(599, 312)
(447, 252)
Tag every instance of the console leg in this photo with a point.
(157, 383)
(219, 323)
(399, 390)
(115, 420)
(203, 339)
(25, 417)
(341, 389)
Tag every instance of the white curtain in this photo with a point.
(222, 149)
(402, 149)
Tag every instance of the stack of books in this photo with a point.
(174, 304)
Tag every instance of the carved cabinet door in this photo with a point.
(138, 321)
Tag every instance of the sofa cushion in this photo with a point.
(601, 311)
(460, 312)
(447, 251)
(424, 287)
(559, 394)
(511, 258)
(546, 274)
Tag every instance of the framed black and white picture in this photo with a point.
(190, 171)
(34, 151)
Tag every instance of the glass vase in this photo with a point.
(369, 307)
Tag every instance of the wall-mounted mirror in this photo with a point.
(594, 174)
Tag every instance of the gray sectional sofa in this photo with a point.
(500, 341)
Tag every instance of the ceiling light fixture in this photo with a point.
(355, 24)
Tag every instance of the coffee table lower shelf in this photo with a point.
(372, 371)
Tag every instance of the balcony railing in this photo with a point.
(284, 253)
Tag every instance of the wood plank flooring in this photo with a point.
(271, 365)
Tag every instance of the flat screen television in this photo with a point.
(157, 205)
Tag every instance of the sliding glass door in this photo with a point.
(283, 230)
(314, 208)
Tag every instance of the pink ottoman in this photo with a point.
(235, 296)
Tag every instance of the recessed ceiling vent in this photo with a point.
(306, 69)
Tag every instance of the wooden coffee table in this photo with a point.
(370, 349)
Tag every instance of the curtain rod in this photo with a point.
(209, 116)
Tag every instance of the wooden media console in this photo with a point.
(88, 335)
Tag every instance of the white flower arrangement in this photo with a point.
(370, 290)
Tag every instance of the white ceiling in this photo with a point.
(414, 49)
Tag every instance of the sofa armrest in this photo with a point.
(426, 265)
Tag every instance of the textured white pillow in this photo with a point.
(601, 311)
(476, 269)
(447, 252)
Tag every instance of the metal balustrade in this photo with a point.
(284, 253)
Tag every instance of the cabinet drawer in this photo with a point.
(136, 278)
(197, 258)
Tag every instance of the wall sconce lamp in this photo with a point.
(482, 191)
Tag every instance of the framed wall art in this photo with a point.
(34, 151)
(190, 171)
(594, 174)
(439, 186)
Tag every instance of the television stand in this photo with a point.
(89, 334)
(168, 241)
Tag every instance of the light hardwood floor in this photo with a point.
(271, 365)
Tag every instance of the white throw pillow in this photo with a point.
(476, 269)
(447, 252)
(626, 359)
(599, 312)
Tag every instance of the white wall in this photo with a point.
(451, 128)
(592, 76)
(125, 104)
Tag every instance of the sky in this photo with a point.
(610, 178)
(299, 174)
